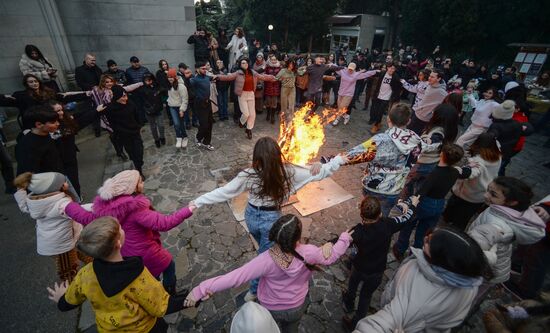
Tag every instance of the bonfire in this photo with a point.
(301, 138)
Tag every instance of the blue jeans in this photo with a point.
(259, 224)
(386, 201)
(222, 103)
(178, 122)
(427, 215)
(169, 275)
(189, 119)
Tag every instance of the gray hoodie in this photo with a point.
(422, 298)
(433, 96)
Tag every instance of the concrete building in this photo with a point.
(64, 30)
(358, 31)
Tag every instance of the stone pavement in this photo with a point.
(211, 242)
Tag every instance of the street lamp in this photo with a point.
(270, 28)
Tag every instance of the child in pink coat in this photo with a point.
(284, 271)
(121, 197)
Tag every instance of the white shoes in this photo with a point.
(184, 142)
(178, 142)
(336, 121)
(346, 119)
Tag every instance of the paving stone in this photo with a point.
(182, 263)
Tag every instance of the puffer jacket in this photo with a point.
(140, 223)
(422, 298)
(473, 189)
(36, 68)
(497, 228)
(238, 76)
(508, 132)
(272, 88)
(54, 229)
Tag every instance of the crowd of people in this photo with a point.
(435, 165)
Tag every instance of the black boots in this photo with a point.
(248, 133)
(267, 114)
(270, 116)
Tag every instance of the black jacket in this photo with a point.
(202, 51)
(35, 153)
(87, 77)
(395, 85)
(152, 98)
(123, 118)
(508, 132)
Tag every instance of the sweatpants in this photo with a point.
(248, 109)
(379, 107)
(133, 145)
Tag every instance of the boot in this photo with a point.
(268, 114)
(272, 116)
(248, 134)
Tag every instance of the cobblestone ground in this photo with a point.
(212, 243)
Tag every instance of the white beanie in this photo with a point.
(46, 182)
(252, 318)
(510, 85)
(124, 182)
(505, 110)
(352, 66)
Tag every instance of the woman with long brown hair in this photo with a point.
(270, 181)
(236, 46)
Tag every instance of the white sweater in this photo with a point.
(178, 98)
(474, 188)
(246, 180)
(482, 114)
(54, 229)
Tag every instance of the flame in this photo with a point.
(301, 138)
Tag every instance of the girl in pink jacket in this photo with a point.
(121, 197)
(284, 271)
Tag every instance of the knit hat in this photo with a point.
(46, 182)
(352, 66)
(505, 110)
(124, 182)
(510, 85)
(172, 73)
(260, 54)
(134, 59)
(118, 92)
(251, 318)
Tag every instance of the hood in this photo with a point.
(528, 227)
(440, 85)
(114, 277)
(294, 269)
(121, 206)
(405, 139)
(45, 207)
(442, 276)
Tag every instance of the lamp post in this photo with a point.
(270, 28)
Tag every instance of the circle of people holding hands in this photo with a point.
(109, 252)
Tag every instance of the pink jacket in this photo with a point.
(140, 223)
(279, 289)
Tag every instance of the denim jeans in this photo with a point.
(386, 201)
(222, 103)
(288, 320)
(427, 215)
(370, 283)
(169, 275)
(193, 119)
(178, 122)
(259, 224)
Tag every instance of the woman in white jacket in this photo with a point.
(433, 289)
(236, 46)
(468, 195)
(33, 62)
(56, 234)
(178, 99)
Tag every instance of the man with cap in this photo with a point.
(507, 131)
(136, 71)
(201, 86)
(348, 80)
(202, 46)
(117, 74)
(125, 122)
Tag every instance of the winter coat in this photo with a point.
(238, 76)
(152, 98)
(123, 118)
(87, 77)
(54, 229)
(497, 228)
(272, 88)
(134, 75)
(38, 68)
(202, 47)
(422, 298)
(235, 52)
(473, 189)
(508, 132)
(140, 223)
(520, 117)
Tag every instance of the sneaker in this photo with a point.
(346, 119)
(184, 142)
(199, 145)
(157, 143)
(209, 147)
(250, 297)
(335, 122)
(163, 141)
(178, 142)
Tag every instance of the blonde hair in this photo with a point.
(98, 239)
(23, 180)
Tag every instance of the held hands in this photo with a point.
(192, 206)
(315, 168)
(190, 301)
(57, 291)
(415, 199)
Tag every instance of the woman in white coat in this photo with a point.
(434, 288)
(236, 46)
(33, 62)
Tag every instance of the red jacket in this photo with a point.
(272, 88)
(520, 117)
